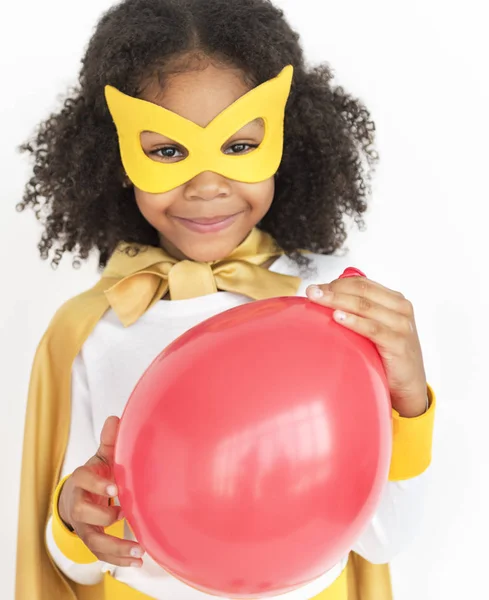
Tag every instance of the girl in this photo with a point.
(209, 167)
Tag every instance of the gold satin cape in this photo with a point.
(45, 439)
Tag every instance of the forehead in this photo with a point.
(199, 95)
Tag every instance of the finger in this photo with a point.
(363, 288)
(364, 307)
(381, 336)
(89, 481)
(108, 438)
(363, 283)
(121, 562)
(88, 513)
(109, 548)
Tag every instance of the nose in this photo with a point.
(207, 186)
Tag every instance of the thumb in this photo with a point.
(108, 437)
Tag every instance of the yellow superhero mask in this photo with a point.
(132, 116)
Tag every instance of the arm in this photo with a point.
(395, 522)
(397, 518)
(67, 550)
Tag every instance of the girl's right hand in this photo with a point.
(84, 504)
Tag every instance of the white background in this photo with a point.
(421, 68)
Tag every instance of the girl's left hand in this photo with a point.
(386, 318)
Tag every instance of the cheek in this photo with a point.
(152, 206)
(259, 195)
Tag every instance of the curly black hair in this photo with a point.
(77, 190)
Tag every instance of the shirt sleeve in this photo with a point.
(400, 512)
(67, 550)
(395, 522)
(412, 440)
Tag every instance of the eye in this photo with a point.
(240, 148)
(168, 152)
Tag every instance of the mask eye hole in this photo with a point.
(246, 140)
(162, 149)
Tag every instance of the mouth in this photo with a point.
(208, 224)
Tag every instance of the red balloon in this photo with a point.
(255, 448)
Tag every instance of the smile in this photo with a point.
(208, 224)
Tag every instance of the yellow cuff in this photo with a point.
(68, 542)
(411, 442)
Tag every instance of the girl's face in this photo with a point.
(207, 217)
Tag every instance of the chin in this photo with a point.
(208, 256)
(211, 251)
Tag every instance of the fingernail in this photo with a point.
(315, 291)
(136, 565)
(111, 490)
(136, 552)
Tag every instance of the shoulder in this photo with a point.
(74, 320)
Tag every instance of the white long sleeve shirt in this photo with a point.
(104, 374)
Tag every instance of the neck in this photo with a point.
(269, 262)
(172, 249)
